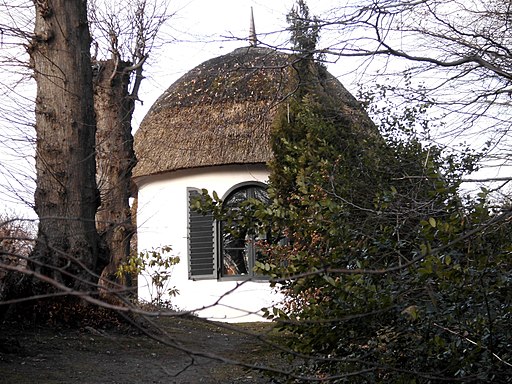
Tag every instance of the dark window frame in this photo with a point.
(248, 247)
(205, 249)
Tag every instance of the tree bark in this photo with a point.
(66, 197)
(115, 158)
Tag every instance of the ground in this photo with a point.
(90, 355)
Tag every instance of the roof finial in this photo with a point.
(252, 32)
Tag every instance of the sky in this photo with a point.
(201, 30)
(198, 30)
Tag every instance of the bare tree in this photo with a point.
(458, 51)
(16, 115)
(125, 35)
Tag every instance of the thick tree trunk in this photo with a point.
(115, 160)
(66, 198)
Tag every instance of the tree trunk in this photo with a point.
(115, 160)
(66, 197)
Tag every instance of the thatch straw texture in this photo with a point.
(222, 112)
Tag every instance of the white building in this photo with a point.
(211, 129)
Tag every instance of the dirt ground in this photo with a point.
(119, 356)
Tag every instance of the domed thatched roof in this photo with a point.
(221, 112)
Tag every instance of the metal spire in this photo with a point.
(252, 32)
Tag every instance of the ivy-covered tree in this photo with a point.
(389, 274)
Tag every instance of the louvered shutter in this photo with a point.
(202, 262)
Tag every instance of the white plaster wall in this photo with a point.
(162, 220)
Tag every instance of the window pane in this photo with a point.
(231, 241)
(235, 262)
(239, 250)
(236, 199)
(261, 194)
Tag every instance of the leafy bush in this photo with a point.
(389, 274)
(156, 264)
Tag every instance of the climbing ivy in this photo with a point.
(389, 273)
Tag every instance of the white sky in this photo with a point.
(201, 30)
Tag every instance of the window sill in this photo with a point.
(255, 279)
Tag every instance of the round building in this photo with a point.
(211, 130)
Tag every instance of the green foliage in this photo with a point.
(158, 265)
(388, 271)
(389, 275)
(304, 28)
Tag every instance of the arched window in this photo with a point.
(224, 249)
(239, 247)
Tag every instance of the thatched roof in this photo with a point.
(221, 112)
